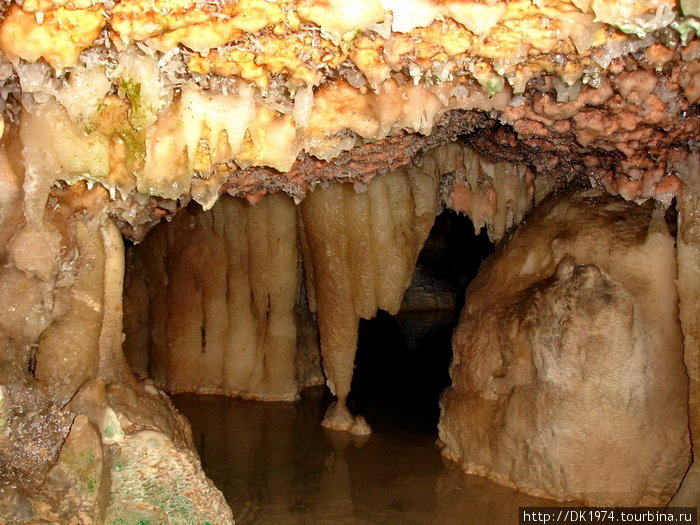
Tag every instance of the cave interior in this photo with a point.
(457, 240)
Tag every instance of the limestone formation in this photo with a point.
(75, 409)
(69, 403)
(223, 283)
(359, 253)
(114, 116)
(688, 242)
(567, 377)
(231, 287)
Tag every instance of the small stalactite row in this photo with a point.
(495, 195)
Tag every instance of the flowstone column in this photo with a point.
(216, 295)
(81, 441)
(688, 284)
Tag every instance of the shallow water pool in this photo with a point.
(276, 465)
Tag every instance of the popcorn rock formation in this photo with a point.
(178, 100)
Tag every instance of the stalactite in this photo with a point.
(496, 195)
(360, 249)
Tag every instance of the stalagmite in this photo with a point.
(360, 250)
(83, 343)
(567, 377)
(222, 293)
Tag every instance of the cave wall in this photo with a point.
(359, 246)
(220, 313)
(74, 422)
(246, 285)
(688, 284)
(568, 378)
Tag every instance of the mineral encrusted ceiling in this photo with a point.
(188, 99)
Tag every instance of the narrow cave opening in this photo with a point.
(402, 362)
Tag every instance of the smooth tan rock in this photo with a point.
(688, 285)
(568, 375)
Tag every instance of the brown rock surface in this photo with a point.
(568, 376)
(688, 289)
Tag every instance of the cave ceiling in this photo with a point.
(152, 104)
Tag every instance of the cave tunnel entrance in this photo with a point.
(232, 301)
(402, 361)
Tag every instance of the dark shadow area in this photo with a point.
(402, 362)
(671, 216)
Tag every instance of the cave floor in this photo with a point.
(275, 464)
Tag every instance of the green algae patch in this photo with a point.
(154, 482)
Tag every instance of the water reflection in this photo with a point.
(276, 465)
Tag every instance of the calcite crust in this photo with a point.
(187, 99)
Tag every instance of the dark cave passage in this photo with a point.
(402, 362)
